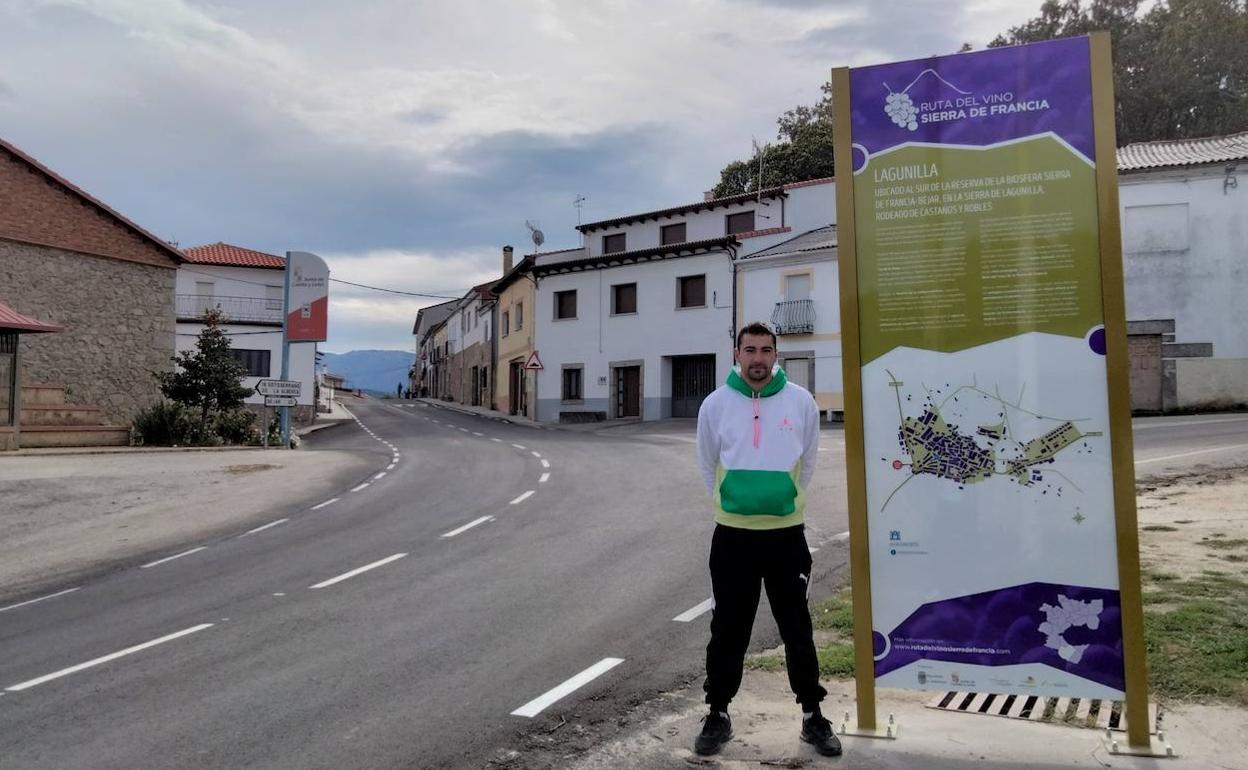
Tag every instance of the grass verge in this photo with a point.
(1195, 629)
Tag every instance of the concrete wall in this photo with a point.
(760, 285)
(118, 317)
(1211, 383)
(1185, 254)
(596, 339)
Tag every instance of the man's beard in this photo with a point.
(757, 373)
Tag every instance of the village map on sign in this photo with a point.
(966, 435)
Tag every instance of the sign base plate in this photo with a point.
(886, 730)
(1157, 746)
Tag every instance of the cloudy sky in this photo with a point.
(408, 140)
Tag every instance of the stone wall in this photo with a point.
(118, 318)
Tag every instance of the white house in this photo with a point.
(1184, 209)
(246, 286)
(640, 323)
(795, 286)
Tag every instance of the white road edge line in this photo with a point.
(497, 440)
(358, 570)
(379, 476)
(264, 527)
(545, 477)
(523, 497)
(535, 454)
(520, 446)
(330, 501)
(540, 703)
(694, 612)
(477, 434)
(40, 599)
(362, 486)
(390, 467)
(1189, 454)
(175, 556)
(113, 656)
(545, 463)
(468, 526)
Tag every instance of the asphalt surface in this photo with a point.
(269, 649)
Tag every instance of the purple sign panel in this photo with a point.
(976, 99)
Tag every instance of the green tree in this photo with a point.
(1180, 72)
(1180, 68)
(207, 379)
(803, 151)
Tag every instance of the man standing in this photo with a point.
(758, 438)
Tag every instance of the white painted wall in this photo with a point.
(252, 283)
(1185, 254)
(762, 286)
(658, 329)
(806, 208)
(1211, 383)
(302, 354)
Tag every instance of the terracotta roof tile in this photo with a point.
(15, 321)
(225, 255)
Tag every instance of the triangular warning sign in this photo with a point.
(534, 362)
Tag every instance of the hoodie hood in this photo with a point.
(738, 383)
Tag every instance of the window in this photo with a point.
(692, 291)
(612, 243)
(256, 361)
(519, 316)
(565, 304)
(672, 233)
(273, 297)
(797, 286)
(623, 298)
(506, 323)
(205, 288)
(572, 384)
(742, 222)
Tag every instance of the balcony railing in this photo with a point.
(795, 316)
(253, 310)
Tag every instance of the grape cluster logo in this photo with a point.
(901, 109)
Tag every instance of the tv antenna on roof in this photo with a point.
(536, 234)
(577, 203)
(760, 152)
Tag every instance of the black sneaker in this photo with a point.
(817, 731)
(716, 730)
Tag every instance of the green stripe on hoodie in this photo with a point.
(757, 451)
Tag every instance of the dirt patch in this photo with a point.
(253, 468)
(1190, 523)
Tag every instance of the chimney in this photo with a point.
(507, 252)
(709, 195)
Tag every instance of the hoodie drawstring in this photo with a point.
(758, 425)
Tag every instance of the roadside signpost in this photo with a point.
(988, 427)
(306, 307)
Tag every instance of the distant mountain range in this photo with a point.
(378, 371)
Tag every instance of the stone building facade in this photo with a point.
(69, 259)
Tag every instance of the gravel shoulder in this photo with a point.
(65, 517)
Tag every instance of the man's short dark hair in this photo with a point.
(757, 328)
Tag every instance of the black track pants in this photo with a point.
(742, 562)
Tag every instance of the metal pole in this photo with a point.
(286, 350)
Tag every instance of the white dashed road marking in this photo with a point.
(362, 486)
(545, 463)
(545, 477)
(264, 527)
(540, 703)
(330, 501)
(522, 497)
(40, 599)
(175, 556)
(468, 526)
(105, 659)
(359, 570)
(694, 612)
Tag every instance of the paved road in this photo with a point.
(402, 624)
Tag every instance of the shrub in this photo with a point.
(165, 423)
